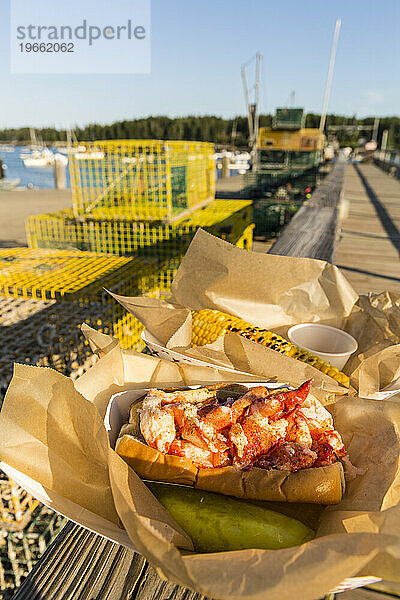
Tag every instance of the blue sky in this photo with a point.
(197, 49)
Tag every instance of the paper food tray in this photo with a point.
(157, 349)
(117, 413)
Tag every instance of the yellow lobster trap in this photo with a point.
(147, 180)
(77, 282)
(69, 288)
(16, 505)
(227, 219)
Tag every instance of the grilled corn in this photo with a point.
(208, 325)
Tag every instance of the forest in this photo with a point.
(224, 132)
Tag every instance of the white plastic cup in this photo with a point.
(332, 345)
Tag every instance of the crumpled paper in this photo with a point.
(52, 430)
(274, 292)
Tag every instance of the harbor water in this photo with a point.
(30, 177)
(41, 177)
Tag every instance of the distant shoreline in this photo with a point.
(207, 128)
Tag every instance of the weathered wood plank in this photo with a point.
(81, 564)
(369, 245)
(312, 232)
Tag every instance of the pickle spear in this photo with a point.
(217, 523)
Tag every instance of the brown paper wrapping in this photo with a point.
(251, 357)
(54, 433)
(52, 429)
(274, 292)
(261, 288)
(267, 290)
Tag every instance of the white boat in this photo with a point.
(39, 158)
(239, 161)
(221, 155)
(89, 155)
(71, 149)
(26, 154)
(6, 148)
(8, 184)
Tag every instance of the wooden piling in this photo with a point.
(60, 173)
(225, 167)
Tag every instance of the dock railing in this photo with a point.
(388, 161)
(313, 230)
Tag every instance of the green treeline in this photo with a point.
(207, 128)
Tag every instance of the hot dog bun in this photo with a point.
(319, 485)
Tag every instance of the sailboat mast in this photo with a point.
(330, 74)
(32, 133)
(256, 99)
(247, 100)
(252, 109)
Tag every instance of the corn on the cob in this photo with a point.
(208, 325)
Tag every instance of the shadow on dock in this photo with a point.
(386, 220)
(370, 273)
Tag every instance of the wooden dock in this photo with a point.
(230, 187)
(17, 206)
(369, 245)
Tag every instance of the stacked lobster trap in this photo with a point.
(142, 198)
(69, 287)
(136, 206)
(148, 180)
(228, 219)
